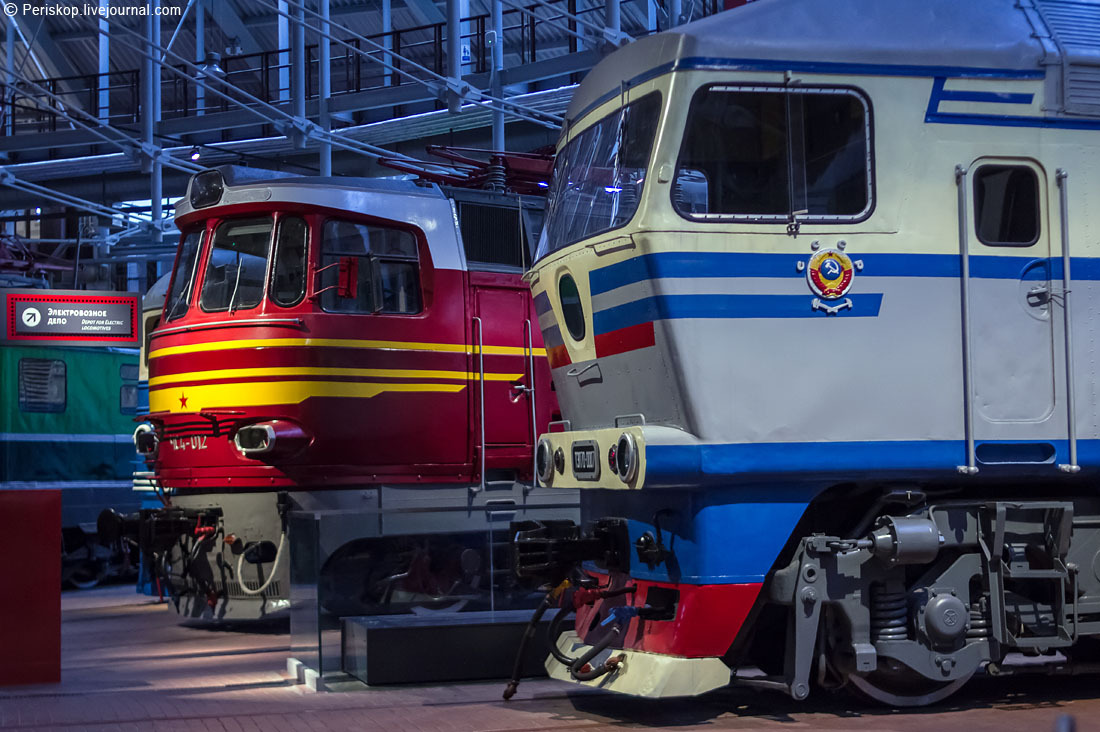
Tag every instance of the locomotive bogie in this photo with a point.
(204, 576)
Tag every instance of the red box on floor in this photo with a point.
(30, 587)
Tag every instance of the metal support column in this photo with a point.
(298, 71)
(103, 81)
(200, 53)
(324, 87)
(282, 24)
(387, 39)
(496, 89)
(150, 114)
(154, 40)
(612, 19)
(9, 74)
(454, 52)
(465, 39)
(675, 12)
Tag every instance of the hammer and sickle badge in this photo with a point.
(830, 273)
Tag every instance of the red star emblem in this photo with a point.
(183, 400)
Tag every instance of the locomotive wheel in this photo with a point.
(902, 687)
(86, 575)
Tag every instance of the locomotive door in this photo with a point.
(1011, 303)
(501, 302)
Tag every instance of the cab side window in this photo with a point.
(1006, 205)
(386, 267)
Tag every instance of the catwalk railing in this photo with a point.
(529, 37)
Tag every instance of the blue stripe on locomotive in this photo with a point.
(747, 264)
(680, 465)
(728, 535)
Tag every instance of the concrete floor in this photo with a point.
(127, 665)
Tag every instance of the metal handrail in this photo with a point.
(529, 346)
(481, 372)
(971, 466)
(1071, 405)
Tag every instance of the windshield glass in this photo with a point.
(598, 176)
(183, 279)
(236, 268)
(770, 154)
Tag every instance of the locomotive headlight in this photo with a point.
(626, 457)
(274, 437)
(544, 461)
(145, 439)
(255, 439)
(206, 188)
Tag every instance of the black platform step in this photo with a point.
(400, 649)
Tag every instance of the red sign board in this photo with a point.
(71, 317)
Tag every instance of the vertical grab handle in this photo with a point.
(481, 401)
(529, 346)
(971, 466)
(1071, 403)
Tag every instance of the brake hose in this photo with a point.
(555, 631)
(274, 566)
(576, 669)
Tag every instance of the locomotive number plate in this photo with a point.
(197, 442)
(586, 460)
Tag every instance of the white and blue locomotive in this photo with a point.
(818, 287)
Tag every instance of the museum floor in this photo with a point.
(128, 665)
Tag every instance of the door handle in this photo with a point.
(517, 391)
(1038, 296)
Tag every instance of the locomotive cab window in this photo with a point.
(600, 174)
(183, 279)
(1006, 205)
(768, 154)
(382, 262)
(42, 385)
(237, 265)
(288, 274)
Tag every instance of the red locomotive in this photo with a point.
(365, 347)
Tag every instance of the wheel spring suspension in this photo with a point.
(889, 613)
(979, 623)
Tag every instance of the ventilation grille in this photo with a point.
(41, 385)
(234, 589)
(1075, 27)
(492, 234)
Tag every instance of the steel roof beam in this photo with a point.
(425, 11)
(10, 181)
(226, 18)
(361, 101)
(47, 53)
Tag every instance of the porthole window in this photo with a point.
(571, 308)
(1006, 205)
